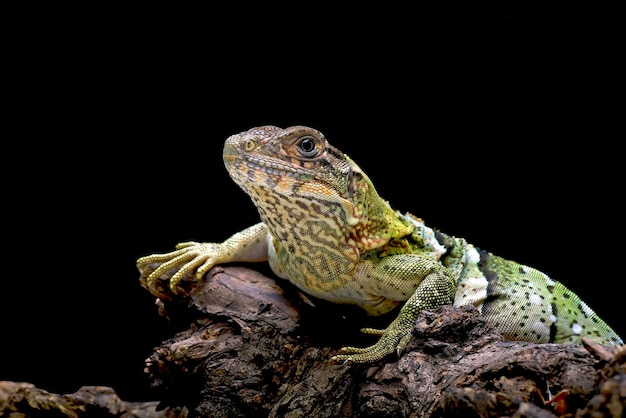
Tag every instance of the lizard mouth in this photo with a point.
(273, 168)
(234, 160)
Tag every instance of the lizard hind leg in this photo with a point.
(435, 290)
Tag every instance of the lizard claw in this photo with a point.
(393, 339)
(187, 257)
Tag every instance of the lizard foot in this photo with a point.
(392, 339)
(187, 257)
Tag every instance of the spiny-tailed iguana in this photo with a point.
(325, 228)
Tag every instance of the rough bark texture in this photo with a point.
(248, 347)
(252, 352)
(24, 400)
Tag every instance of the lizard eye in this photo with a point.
(308, 146)
(249, 145)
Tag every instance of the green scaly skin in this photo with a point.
(325, 229)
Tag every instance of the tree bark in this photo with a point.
(249, 347)
(25, 400)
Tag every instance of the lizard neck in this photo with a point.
(358, 219)
(376, 222)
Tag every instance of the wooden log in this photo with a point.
(249, 346)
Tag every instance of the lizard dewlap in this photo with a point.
(325, 229)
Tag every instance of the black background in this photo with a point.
(496, 129)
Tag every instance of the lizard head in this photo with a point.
(299, 182)
(294, 162)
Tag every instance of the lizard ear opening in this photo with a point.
(354, 181)
(351, 184)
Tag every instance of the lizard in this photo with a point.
(325, 228)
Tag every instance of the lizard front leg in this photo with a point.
(434, 286)
(249, 245)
